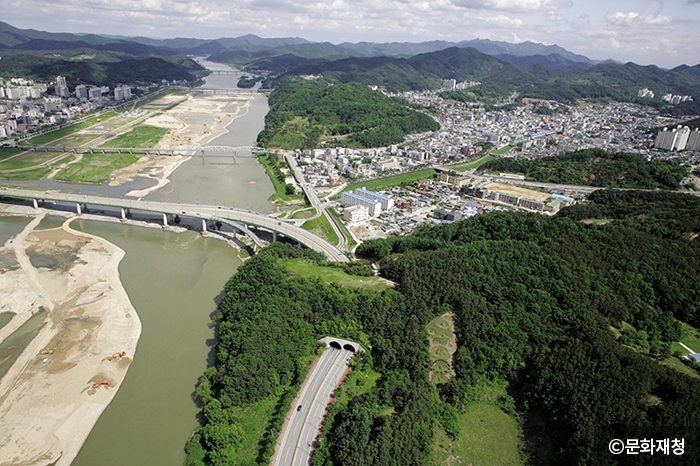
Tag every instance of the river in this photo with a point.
(174, 281)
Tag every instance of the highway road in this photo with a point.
(311, 195)
(298, 442)
(223, 214)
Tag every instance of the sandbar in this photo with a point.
(48, 405)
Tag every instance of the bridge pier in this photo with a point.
(274, 236)
(35, 204)
(204, 225)
(165, 220)
(103, 151)
(78, 210)
(91, 151)
(123, 214)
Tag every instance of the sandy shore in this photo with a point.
(47, 403)
(195, 122)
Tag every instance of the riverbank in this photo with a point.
(195, 122)
(47, 403)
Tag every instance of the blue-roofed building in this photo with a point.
(386, 202)
(564, 199)
(695, 356)
(374, 208)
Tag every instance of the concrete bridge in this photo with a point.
(191, 151)
(239, 218)
(235, 91)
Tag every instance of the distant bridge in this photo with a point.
(235, 91)
(192, 151)
(239, 218)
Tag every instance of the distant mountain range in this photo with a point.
(534, 70)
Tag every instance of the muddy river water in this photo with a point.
(174, 281)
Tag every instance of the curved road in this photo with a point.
(245, 217)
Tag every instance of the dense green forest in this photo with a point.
(596, 167)
(128, 71)
(302, 112)
(663, 214)
(541, 304)
(499, 79)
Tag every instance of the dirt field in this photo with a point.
(47, 403)
(517, 191)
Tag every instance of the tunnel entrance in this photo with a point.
(335, 344)
(349, 347)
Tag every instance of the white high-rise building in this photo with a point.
(62, 87)
(693, 140)
(81, 92)
(374, 208)
(122, 92)
(675, 139)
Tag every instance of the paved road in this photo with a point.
(298, 442)
(223, 214)
(315, 201)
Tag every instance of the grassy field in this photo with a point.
(502, 150)
(332, 275)
(443, 344)
(9, 152)
(690, 336)
(46, 138)
(73, 140)
(31, 159)
(471, 165)
(140, 136)
(95, 168)
(253, 419)
(389, 181)
(351, 243)
(273, 164)
(307, 213)
(321, 227)
(488, 437)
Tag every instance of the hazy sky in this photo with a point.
(661, 32)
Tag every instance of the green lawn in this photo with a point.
(28, 160)
(389, 181)
(469, 166)
(443, 344)
(273, 164)
(502, 150)
(690, 336)
(48, 137)
(140, 136)
(5, 153)
(321, 227)
(488, 437)
(95, 168)
(351, 243)
(333, 275)
(306, 213)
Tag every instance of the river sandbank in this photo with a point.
(194, 122)
(47, 403)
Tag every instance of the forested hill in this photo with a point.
(613, 81)
(535, 299)
(574, 318)
(130, 71)
(304, 113)
(596, 167)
